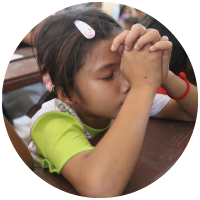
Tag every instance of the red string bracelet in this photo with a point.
(182, 76)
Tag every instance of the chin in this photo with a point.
(112, 114)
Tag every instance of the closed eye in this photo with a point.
(108, 78)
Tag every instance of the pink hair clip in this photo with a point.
(85, 29)
(48, 81)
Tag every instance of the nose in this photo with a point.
(125, 85)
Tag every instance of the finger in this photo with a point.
(151, 36)
(166, 47)
(164, 38)
(162, 45)
(136, 32)
(119, 40)
(149, 29)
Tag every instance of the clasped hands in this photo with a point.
(145, 55)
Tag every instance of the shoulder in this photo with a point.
(58, 121)
(52, 112)
(57, 129)
(58, 136)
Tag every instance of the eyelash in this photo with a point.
(108, 78)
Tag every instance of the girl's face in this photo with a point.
(102, 85)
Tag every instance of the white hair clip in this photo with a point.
(85, 29)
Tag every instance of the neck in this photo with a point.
(98, 123)
(95, 122)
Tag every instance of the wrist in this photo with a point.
(144, 86)
(168, 81)
(177, 87)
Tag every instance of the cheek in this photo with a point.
(100, 92)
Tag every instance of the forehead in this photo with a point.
(100, 55)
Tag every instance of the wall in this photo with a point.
(107, 7)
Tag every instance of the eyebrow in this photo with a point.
(105, 66)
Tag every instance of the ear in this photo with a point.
(62, 96)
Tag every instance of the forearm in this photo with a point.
(176, 87)
(113, 159)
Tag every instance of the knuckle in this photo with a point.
(136, 27)
(126, 31)
(149, 29)
(156, 33)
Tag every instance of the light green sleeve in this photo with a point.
(58, 137)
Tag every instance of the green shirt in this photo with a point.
(58, 137)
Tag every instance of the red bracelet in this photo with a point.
(183, 76)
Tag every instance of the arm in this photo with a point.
(19, 145)
(184, 109)
(110, 165)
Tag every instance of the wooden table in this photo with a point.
(27, 52)
(21, 72)
(164, 142)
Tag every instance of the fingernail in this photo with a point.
(126, 48)
(112, 48)
(144, 27)
(151, 48)
(166, 38)
(136, 47)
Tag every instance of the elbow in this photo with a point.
(95, 192)
(97, 189)
(190, 118)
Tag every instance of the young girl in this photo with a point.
(90, 86)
